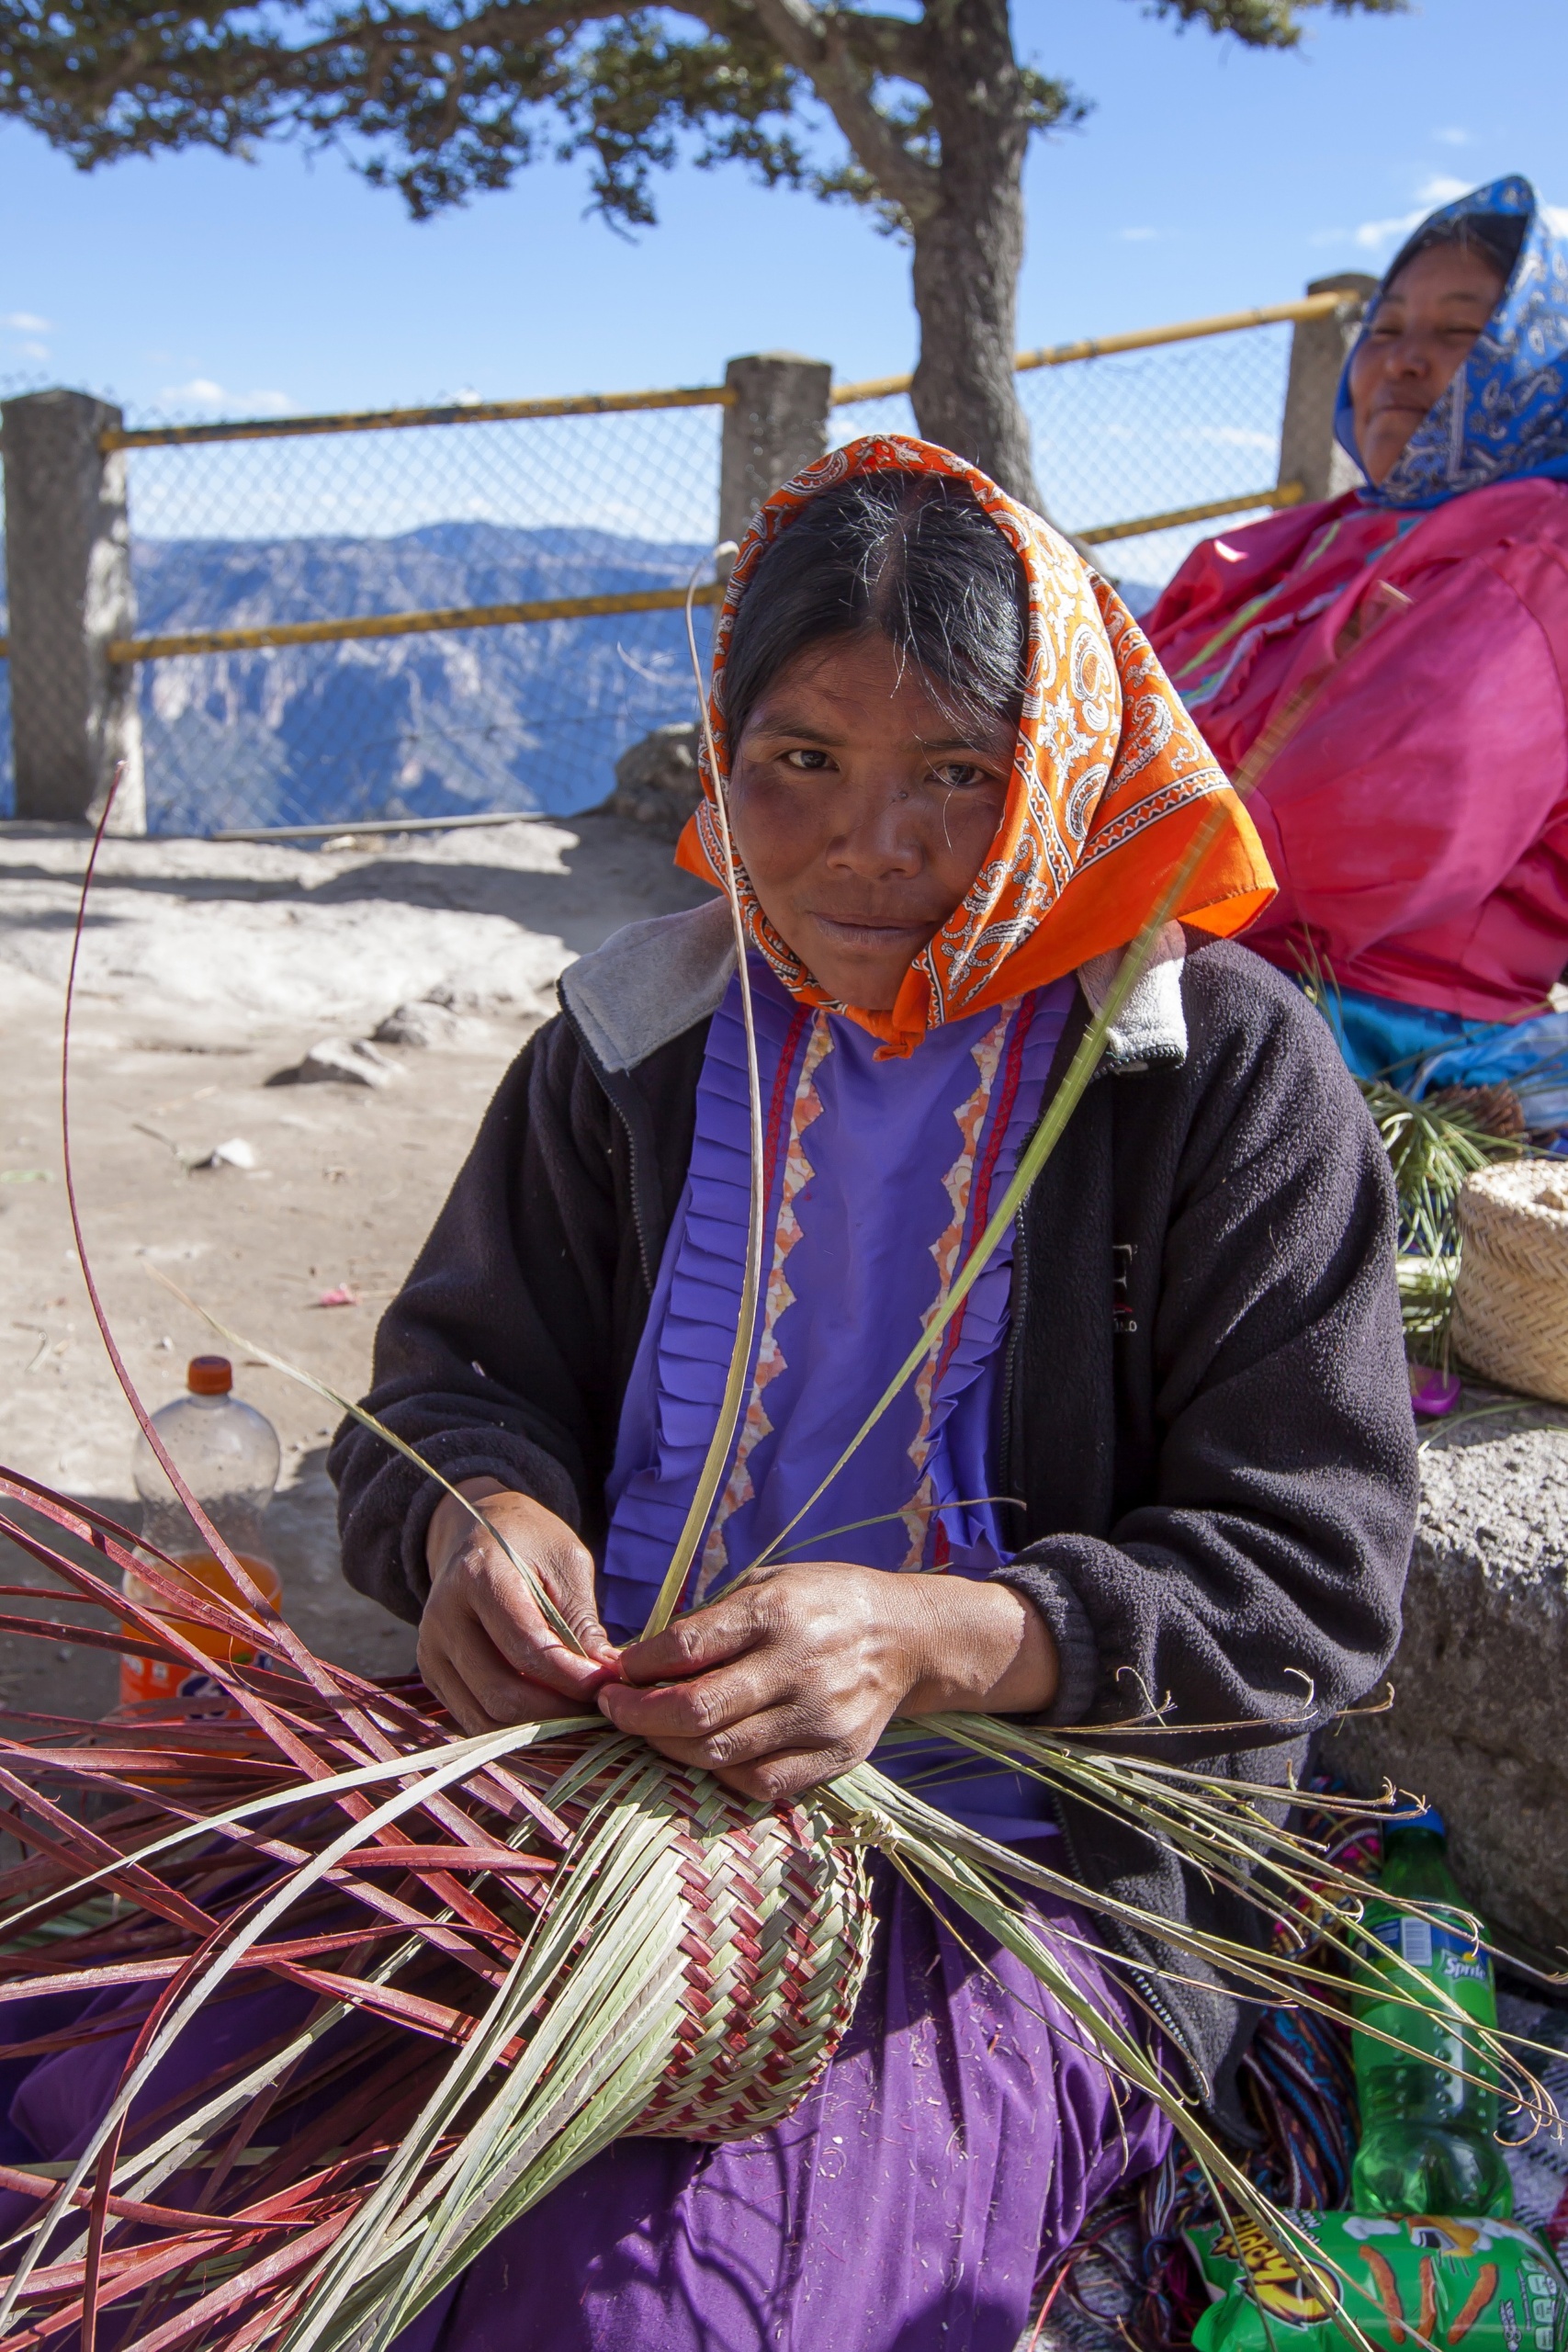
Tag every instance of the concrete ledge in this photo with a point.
(1478, 1725)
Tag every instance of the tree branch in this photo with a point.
(821, 47)
(889, 45)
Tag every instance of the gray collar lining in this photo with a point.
(654, 980)
(1152, 1026)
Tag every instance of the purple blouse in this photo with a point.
(880, 1174)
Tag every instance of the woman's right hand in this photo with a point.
(486, 1649)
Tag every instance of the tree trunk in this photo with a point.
(969, 247)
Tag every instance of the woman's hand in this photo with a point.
(792, 1677)
(485, 1647)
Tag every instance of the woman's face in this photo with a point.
(1421, 330)
(863, 812)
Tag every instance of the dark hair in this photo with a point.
(908, 556)
(1496, 237)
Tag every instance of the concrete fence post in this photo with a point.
(776, 424)
(1308, 452)
(73, 712)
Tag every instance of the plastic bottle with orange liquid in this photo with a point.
(227, 1455)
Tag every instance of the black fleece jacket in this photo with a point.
(1204, 1409)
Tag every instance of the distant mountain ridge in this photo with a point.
(529, 715)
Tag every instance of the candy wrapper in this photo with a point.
(1489, 2286)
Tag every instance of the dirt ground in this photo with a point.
(206, 970)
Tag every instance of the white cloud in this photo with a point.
(1441, 189)
(26, 322)
(1137, 236)
(1451, 136)
(35, 351)
(202, 392)
(1371, 234)
(1374, 236)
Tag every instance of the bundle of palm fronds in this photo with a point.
(504, 1952)
(1434, 1143)
(370, 1989)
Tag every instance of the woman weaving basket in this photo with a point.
(1164, 1456)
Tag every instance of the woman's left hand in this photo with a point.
(794, 1676)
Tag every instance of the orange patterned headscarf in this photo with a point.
(1110, 782)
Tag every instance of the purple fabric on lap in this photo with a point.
(961, 2132)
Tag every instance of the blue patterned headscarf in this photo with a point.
(1506, 412)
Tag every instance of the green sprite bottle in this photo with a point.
(1428, 2136)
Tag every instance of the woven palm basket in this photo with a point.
(771, 1916)
(1510, 1318)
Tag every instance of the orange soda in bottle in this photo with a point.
(228, 1455)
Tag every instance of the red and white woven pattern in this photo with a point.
(774, 1951)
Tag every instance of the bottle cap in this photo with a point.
(1428, 1817)
(209, 1375)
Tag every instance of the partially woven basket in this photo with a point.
(759, 1932)
(1510, 1318)
(776, 1945)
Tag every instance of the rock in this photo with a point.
(423, 1023)
(350, 1061)
(1477, 1725)
(451, 1014)
(235, 1153)
(419, 1024)
(656, 780)
(454, 998)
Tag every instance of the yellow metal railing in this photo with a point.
(576, 609)
(365, 828)
(385, 419)
(1289, 494)
(1104, 346)
(554, 608)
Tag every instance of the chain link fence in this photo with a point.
(1138, 433)
(429, 518)
(1146, 432)
(317, 527)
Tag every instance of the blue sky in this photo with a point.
(1207, 177)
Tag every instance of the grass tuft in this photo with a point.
(1433, 1147)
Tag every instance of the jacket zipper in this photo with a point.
(1139, 1976)
(1018, 1309)
(1019, 1304)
